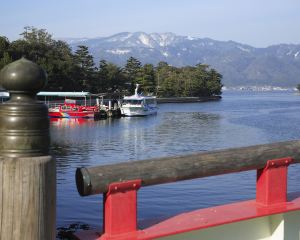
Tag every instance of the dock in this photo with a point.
(108, 113)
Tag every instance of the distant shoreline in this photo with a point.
(188, 99)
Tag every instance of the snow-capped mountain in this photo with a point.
(240, 64)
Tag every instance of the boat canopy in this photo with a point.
(66, 94)
(4, 94)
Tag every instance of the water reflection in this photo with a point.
(237, 120)
(69, 122)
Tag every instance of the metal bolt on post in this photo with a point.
(27, 171)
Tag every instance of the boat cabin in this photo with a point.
(145, 101)
(4, 96)
(70, 108)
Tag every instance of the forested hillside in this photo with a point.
(77, 71)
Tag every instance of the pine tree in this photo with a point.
(5, 58)
(133, 72)
(4, 45)
(165, 75)
(148, 79)
(102, 83)
(54, 56)
(214, 82)
(85, 68)
(33, 35)
(110, 77)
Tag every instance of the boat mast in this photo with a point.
(136, 90)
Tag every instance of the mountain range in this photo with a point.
(240, 64)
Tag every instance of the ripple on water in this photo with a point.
(237, 120)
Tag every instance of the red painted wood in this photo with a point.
(120, 208)
(271, 184)
(210, 217)
(204, 218)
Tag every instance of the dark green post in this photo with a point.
(28, 186)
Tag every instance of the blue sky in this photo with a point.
(259, 23)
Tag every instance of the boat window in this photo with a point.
(132, 102)
(70, 101)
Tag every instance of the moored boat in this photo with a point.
(71, 108)
(138, 105)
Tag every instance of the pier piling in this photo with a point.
(28, 179)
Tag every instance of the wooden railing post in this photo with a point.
(28, 180)
(271, 184)
(120, 209)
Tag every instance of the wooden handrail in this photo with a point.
(94, 180)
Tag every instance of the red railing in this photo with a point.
(120, 198)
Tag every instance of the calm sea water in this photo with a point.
(239, 119)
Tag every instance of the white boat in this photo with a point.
(138, 105)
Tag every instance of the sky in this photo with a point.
(259, 23)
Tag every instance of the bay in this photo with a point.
(239, 119)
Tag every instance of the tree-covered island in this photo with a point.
(76, 71)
